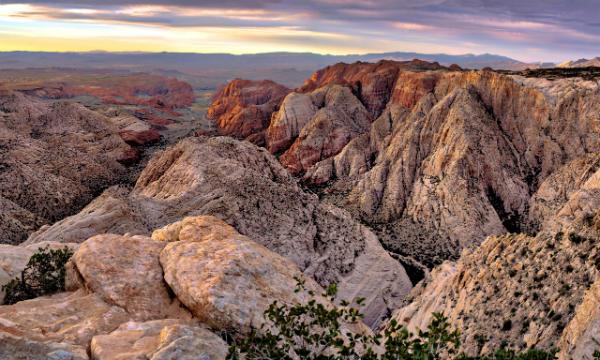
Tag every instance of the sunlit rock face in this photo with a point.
(434, 159)
(242, 109)
(160, 297)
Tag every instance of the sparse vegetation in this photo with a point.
(315, 330)
(43, 275)
(576, 238)
(507, 325)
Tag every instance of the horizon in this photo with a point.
(325, 27)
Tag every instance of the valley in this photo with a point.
(422, 188)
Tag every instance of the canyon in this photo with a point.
(421, 187)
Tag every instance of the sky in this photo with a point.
(527, 30)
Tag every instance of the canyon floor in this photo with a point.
(419, 187)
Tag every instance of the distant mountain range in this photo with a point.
(212, 69)
(595, 62)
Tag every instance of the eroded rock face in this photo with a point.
(371, 82)
(125, 271)
(112, 213)
(246, 187)
(297, 110)
(243, 108)
(340, 118)
(159, 340)
(458, 156)
(581, 337)
(54, 158)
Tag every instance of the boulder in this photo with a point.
(71, 317)
(125, 271)
(159, 340)
(15, 347)
(225, 279)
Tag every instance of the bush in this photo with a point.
(314, 331)
(43, 275)
(576, 238)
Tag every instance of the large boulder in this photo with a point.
(125, 271)
(159, 340)
(224, 278)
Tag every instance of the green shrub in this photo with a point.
(314, 331)
(43, 275)
(576, 238)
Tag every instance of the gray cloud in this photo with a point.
(551, 28)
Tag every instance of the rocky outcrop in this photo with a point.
(373, 83)
(157, 298)
(125, 271)
(111, 212)
(252, 276)
(246, 187)
(518, 289)
(581, 338)
(242, 109)
(55, 157)
(464, 161)
(72, 318)
(317, 120)
(340, 118)
(159, 340)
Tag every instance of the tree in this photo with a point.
(43, 275)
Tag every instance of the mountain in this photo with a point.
(420, 187)
(210, 70)
(581, 63)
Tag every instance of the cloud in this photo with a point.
(558, 28)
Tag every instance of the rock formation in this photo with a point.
(522, 290)
(243, 108)
(246, 187)
(158, 340)
(464, 161)
(340, 118)
(55, 158)
(163, 297)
